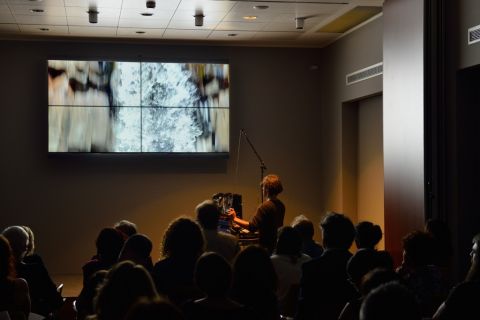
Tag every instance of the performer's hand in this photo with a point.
(231, 213)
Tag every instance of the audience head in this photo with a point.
(208, 214)
(31, 240)
(183, 239)
(253, 269)
(7, 261)
(289, 242)
(390, 301)
(474, 271)
(18, 239)
(137, 248)
(377, 277)
(304, 227)
(154, 309)
(418, 249)
(367, 235)
(362, 262)
(271, 185)
(126, 228)
(338, 231)
(213, 275)
(109, 244)
(124, 285)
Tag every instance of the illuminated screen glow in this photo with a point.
(138, 107)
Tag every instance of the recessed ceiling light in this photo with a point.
(35, 0)
(44, 29)
(140, 32)
(250, 17)
(232, 34)
(260, 7)
(146, 14)
(37, 10)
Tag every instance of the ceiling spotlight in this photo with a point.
(299, 22)
(260, 7)
(92, 15)
(140, 32)
(250, 17)
(146, 14)
(37, 10)
(199, 19)
(151, 4)
(44, 29)
(232, 34)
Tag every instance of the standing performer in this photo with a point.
(269, 215)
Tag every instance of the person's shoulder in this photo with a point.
(20, 285)
(227, 237)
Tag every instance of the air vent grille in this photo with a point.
(474, 34)
(364, 74)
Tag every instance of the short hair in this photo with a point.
(338, 231)
(213, 274)
(183, 238)
(153, 309)
(109, 243)
(304, 226)
(126, 228)
(289, 241)
(367, 234)
(139, 244)
(391, 301)
(419, 248)
(208, 214)
(18, 239)
(7, 262)
(377, 277)
(31, 240)
(272, 184)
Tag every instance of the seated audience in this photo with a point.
(364, 261)
(137, 248)
(287, 261)
(124, 285)
(306, 230)
(213, 275)
(419, 274)
(325, 288)
(390, 301)
(367, 237)
(154, 309)
(14, 294)
(462, 301)
(84, 302)
(255, 283)
(126, 228)
(44, 297)
(31, 256)
(183, 243)
(222, 243)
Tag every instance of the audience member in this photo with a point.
(183, 243)
(84, 303)
(44, 297)
(419, 274)
(325, 288)
(137, 248)
(255, 283)
(124, 285)
(126, 228)
(462, 301)
(367, 237)
(306, 230)
(30, 255)
(269, 216)
(222, 243)
(213, 275)
(154, 309)
(390, 301)
(287, 261)
(14, 294)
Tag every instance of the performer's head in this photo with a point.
(271, 185)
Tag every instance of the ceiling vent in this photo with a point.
(474, 34)
(364, 74)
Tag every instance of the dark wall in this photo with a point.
(275, 97)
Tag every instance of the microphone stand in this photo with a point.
(262, 164)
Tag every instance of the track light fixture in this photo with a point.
(151, 4)
(92, 15)
(199, 19)
(299, 22)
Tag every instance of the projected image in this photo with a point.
(98, 106)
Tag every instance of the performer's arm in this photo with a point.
(240, 222)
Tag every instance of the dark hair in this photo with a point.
(390, 301)
(7, 261)
(139, 244)
(272, 184)
(367, 234)
(304, 227)
(153, 309)
(338, 231)
(126, 228)
(208, 214)
(109, 244)
(124, 284)
(213, 274)
(419, 248)
(377, 277)
(289, 242)
(183, 239)
(362, 262)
